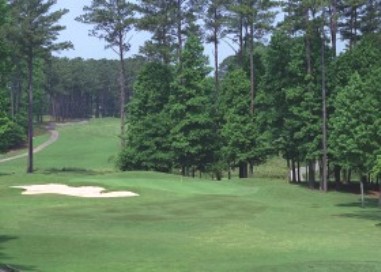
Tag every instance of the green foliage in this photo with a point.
(289, 101)
(238, 129)
(376, 170)
(148, 125)
(5, 53)
(353, 130)
(11, 134)
(362, 59)
(112, 21)
(168, 22)
(355, 122)
(192, 132)
(34, 28)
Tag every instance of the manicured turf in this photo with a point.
(177, 224)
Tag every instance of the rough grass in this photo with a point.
(177, 224)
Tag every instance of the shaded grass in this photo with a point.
(177, 224)
(43, 137)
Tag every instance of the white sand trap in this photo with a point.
(84, 191)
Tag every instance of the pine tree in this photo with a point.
(370, 17)
(215, 21)
(168, 21)
(192, 134)
(112, 20)
(350, 22)
(258, 17)
(34, 32)
(148, 146)
(238, 129)
(353, 134)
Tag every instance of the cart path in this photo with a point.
(54, 135)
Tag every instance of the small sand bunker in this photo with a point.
(84, 191)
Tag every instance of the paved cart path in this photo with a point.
(54, 135)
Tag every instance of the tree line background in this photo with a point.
(286, 91)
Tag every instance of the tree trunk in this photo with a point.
(308, 45)
(30, 113)
(122, 92)
(293, 179)
(243, 170)
(179, 30)
(216, 72)
(337, 170)
(12, 103)
(333, 26)
(252, 76)
(379, 200)
(349, 176)
(362, 190)
(311, 176)
(241, 50)
(324, 182)
(299, 177)
(251, 169)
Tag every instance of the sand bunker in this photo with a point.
(84, 191)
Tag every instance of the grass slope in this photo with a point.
(176, 224)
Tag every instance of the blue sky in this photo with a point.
(91, 47)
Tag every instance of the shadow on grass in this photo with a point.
(5, 261)
(320, 266)
(72, 170)
(366, 215)
(369, 203)
(371, 211)
(348, 188)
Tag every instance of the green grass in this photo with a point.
(43, 137)
(177, 224)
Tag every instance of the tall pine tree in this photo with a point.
(34, 32)
(192, 132)
(112, 20)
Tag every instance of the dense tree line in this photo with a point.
(78, 88)
(296, 95)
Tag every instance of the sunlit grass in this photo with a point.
(177, 224)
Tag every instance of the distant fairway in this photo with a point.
(176, 224)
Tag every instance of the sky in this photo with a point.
(90, 47)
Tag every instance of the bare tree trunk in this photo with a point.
(299, 177)
(323, 180)
(241, 49)
(179, 30)
(337, 170)
(362, 189)
(293, 171)
(243, 170)
(12, 103)
(216, 72)
(333, 26)
(311, 174)
(30, 113)
(122, 83)
(252, 76)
